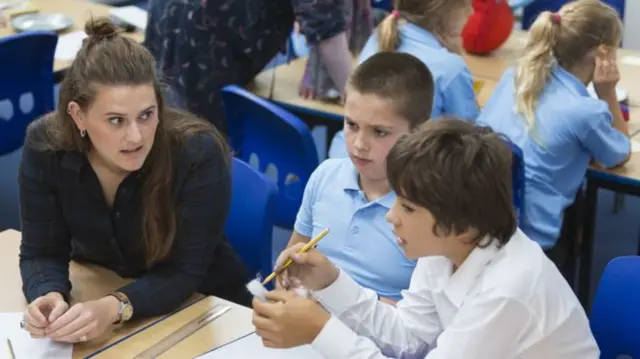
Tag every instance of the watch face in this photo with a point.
(127, 312)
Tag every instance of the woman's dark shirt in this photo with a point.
(203, 45)
(65, 216)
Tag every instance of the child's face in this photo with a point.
(413, 227)
(371, 126)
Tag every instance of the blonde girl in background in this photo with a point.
(544, 107)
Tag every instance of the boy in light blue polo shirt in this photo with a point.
(544, 107)
(387, 96)
(437, 47)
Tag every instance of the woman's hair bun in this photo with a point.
(101, 29)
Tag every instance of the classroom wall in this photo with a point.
(631, 25)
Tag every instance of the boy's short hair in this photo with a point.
(459, 172)
(400, 77)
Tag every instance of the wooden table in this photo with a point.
(493, 65)
(287, 80)
(92, 282)
(80, 11)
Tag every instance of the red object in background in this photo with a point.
(625, 112)
(488, 27)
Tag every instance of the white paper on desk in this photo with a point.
(131, 15)
(630, 60)
(635, 146)
(69, 45)
(250, 347)
(26, 347)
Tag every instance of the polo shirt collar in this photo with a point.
(569, 80)
(350, 184)
(418, 34)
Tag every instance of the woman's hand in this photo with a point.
(606, 73)
(85, 321)
(311, 270)
(287, 320)
(43, 311)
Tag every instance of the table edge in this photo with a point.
(143, 328)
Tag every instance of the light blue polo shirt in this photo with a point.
(360, 240)
(453, 82)
(571, 128)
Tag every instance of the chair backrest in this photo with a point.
(275, 142)
(615, 318)
(516, 4)
(249, 226)
(382, 4)
(26, 84)
(534, 8)
(517, 177)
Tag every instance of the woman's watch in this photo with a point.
(126, 310)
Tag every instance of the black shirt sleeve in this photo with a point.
(202, 208)
(320, 19)
(46, 244)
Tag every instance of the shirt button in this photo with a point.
(354, 230)
(117, 214)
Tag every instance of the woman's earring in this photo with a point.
(83, 133)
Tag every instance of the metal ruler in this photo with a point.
(183, 332)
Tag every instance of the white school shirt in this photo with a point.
(502, 303)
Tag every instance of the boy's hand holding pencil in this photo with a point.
(301, 265)
(310, 269)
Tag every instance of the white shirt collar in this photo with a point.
(460, 282)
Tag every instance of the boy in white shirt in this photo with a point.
(481, 288)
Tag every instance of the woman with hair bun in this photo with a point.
(117, 179)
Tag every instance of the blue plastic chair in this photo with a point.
(382, 4)
(516, 4)
(249, 225)
(517, 177)
(276, 143)
(615, 318)
(26, 84)
(532, 10)
(26, 92)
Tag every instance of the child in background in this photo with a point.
(387, 96)
(544, 107)
(431, 31)
(481, 288)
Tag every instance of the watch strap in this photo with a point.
(125, 307)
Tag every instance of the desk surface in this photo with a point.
(287, 79)
(92, 282)
(493, 65)
(79, 10)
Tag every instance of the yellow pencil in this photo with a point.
(307, 246)
(13, 355)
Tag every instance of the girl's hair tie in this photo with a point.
(395, 14)
(555, 18)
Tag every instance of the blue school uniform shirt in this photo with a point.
(360, 241)
(570, 129)
(454, 94)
